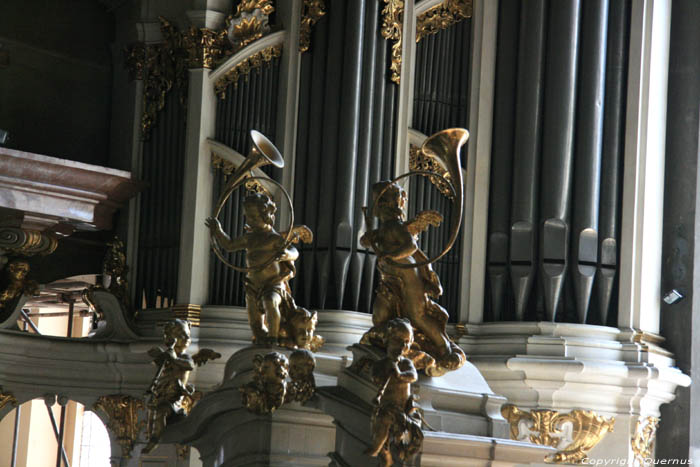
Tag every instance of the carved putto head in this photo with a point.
(176, 333)
(259, 210)
(399, 337)
(392, 202)
(301, 364)
(271, 368)
(303, 326)
(18, 270)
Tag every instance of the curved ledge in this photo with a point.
(275, 38)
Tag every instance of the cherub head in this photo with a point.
(392, 202)
(301, 364)
(259, 211)
(271, 368)
(399, 337)
(177, 334)
(18, 270)
(303, 327)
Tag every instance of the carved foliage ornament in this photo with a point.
(250, 22)
(573, 434)
(643, 441)
(123, 419)
(311, 12)
(442, 16)
(244, 68)
(392, 29)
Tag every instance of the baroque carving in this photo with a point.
(642, 442)
(135, 60)
(254, 62)
(392, 29)
(115, 270)
(250, 22)
(311, 12)
(418, 161)
(6, 398)
(205, 47)
(25, 242)
(16, 283)
(271, 387)
(227, 168)
(170, 385)
(573, 434)
(442, 16)
(396, 420)
(123, 415)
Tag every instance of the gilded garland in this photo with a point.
(312, 11)
(392, 29)
(254, 62)
(442, 16)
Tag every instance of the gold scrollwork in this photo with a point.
(573, 434)
(417, 161)
(311, 12)
(123, 413)
(7, 398)
(244, 68)
(442, 16)
(392, 29)
(205, 47)
(642, 442)
(250, 22)
(26, 242)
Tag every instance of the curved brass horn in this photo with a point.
(442, 166)
(263, 153)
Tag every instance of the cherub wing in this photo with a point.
(423, 220)
(204, 355)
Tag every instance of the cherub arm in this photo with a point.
(422, 220)
(407, 371)
(227, 243)
(204, 355)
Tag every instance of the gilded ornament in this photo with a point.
(187, 312)
(250, 22)
(123, 419)
(442, 16)
(392, 29)
(7, 398)
(418, 161)
(25, 242)
(408, 287)
(274, 317)
(135, 60)
(115, 270)
(278, 380)
(311, 13)
(254, 62)
(16, 283)
(170, 387)
(396, 419)
(205, 47)
(573, 434)
(643, 440)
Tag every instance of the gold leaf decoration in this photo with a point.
(442, 16)
(250, 22)
(392, 29)
(311, 12)
(7, 398)
(642, 442)
(244, 68)
(417, 161)
(573, 434)
(122, 412)
(228, 167)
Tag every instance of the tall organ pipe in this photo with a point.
(502, 154)
(589, 139)
(526, 153)
(613, 141)
(557, 148)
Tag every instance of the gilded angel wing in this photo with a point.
(423, 220)
(300, 233)
(204, 355)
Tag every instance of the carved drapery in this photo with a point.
(573, 434)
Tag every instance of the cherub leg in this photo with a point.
(271, 304)
(255, 317)
(380, 435)
(381, 311)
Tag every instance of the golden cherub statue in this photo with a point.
(396, 420)
(408, 292)
(273, 315)
(170, 387)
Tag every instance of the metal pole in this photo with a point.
(29, 321)
(56, 433)
(15, 435)
(60, 450)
